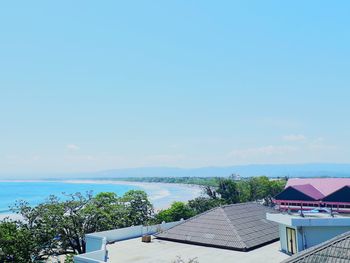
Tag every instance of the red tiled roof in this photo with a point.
(325, 186)
(309, 190)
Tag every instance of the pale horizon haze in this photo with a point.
(98, 85)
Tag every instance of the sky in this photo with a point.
(95, 85)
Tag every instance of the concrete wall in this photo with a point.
(126, 233)
(310, 236)
(317, 235)
(98, 256)
(283, 237)
(96, 242)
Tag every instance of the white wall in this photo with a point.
(127, 233)
(96, 242)
(283, 237)
(92, 257)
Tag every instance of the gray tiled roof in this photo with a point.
(239, 226)
(335, 250)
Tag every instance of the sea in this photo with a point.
(35, 192)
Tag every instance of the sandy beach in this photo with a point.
(160, 194)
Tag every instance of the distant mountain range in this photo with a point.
(271, 170)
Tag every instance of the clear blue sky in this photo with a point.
(93, 85)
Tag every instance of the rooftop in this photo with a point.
(238, 226)
(324, 185)
(319, 219)
(162, 251)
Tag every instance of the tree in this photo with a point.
(16, 243)
(228, 191)
(177, 211)
(202, 204)
(276, 186)
(59, 227)
(138, 208)
(259, 187)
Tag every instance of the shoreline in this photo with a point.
(160, 194)
(96, 181)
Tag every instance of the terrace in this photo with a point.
(239, 232)
(162, 251)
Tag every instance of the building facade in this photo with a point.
(298, 233)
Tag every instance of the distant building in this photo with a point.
(311, 211)
(298, 233)
(305, 194)
(236, 177)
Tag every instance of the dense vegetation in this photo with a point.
(58, 227)
(210, 181)
(226, 191)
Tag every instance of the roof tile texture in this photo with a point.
(238, 226)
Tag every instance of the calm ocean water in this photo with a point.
(36, 192)
(161, 195)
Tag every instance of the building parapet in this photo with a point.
(297, 220)
(96, 250)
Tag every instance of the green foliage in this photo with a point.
(138, 207)
(59, 227)
(69, 258)
(202, 204)
(16, 243)
(176, 211)
(228, 190)
(231, 191)
(208, 181)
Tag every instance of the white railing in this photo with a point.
(96, 251)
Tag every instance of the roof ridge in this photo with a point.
(233, 227)
(317, 248)
(194, 217)
(238, 204)
(340, 188)
(315, 188)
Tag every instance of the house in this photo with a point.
(298, 232)
(307, 193)
(336, 249)
(311, 211)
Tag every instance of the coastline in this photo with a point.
(155, 188)
(161, 195)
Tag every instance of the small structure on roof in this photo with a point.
(333, 250)
(317, 211)
(333, 193)
(299, 232)
(237, 227)
(305, 192)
